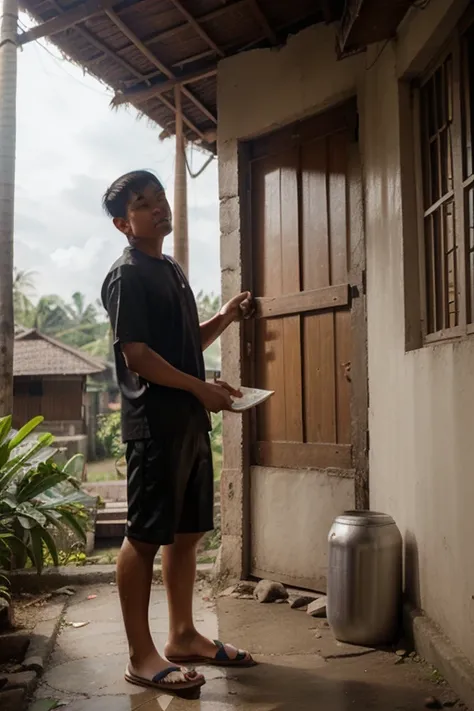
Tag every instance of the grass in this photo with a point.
(102, 471)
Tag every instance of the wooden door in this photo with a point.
(305, 262)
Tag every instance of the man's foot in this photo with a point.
(194, 648)
(156, 672)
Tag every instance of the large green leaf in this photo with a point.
(75, 466)
(51, 546)
(74, 524)
(5, 427)
(36, 549)
(24, 432)
(39, 484)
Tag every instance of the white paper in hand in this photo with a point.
(251, 397)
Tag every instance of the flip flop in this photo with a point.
(191, 681)
(221, 659)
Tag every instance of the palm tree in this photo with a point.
(8, 79)
(23, 289)
(180, 216)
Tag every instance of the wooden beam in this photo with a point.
(140, 95)
(195, 24)
(92, 39)
(64, 20)
(328, 297)
(213, 15)
(294, 455)
(157, 62)
(262, 20)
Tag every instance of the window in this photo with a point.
(446, 99)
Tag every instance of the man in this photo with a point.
(158, 344)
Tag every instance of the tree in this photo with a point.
(208, 305)
(23, 290)
(8, 79)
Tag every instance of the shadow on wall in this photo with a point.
(412, 570)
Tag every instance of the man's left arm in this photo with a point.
(241, 306)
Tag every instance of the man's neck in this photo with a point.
(151, 247)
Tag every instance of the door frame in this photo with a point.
(320, 125)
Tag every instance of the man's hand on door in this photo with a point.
(241, 306)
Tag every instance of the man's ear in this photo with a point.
(122, 225)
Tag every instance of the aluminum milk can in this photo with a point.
(364, 578)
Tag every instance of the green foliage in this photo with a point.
(109, 437)
(75, 322)
(37, 497)
(207, 305)
(216, 444)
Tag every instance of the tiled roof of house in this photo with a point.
(36, 355)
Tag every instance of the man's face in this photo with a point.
(148, 215)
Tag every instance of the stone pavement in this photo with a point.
(301, 667)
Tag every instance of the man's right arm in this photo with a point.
(127, 309)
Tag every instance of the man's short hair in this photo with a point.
(119, 194)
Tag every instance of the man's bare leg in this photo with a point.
(134, 578)
(179, 573)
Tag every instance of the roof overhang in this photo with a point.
(144, 49)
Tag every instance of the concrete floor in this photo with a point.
(301, 667)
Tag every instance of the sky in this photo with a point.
(70, 146)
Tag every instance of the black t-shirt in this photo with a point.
(149, 300)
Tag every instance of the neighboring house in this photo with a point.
(346, 178)
(49, 379)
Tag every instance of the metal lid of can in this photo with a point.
(365, 518)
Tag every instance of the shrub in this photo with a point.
(36, 497)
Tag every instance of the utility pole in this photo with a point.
(8, 86)
(180, 217)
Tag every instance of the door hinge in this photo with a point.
(364, 281)
(367, 440)
(354, 292)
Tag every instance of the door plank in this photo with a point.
(343, 352)
(319, 378)
(328, 297)
(269, 366)
(290, 282)
(338, 239)
(294, 455)
(319, 373)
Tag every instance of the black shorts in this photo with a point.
(170, 485)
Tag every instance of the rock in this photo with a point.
(34, 664)
(269, 591)
(244, 590)
(22, 680)
(6, 615)
(13, 647)
(245, 587)
(12, 700)
(318, 607)
(66, 590)
(301, 601)
(432, 703)
(401, 653)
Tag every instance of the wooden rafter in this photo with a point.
(66, 19)
(138, 94)
(196, 26)
(95, 42)
(153, 59)
(262, 20)
(213, 15)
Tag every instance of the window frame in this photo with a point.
(456, 48)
